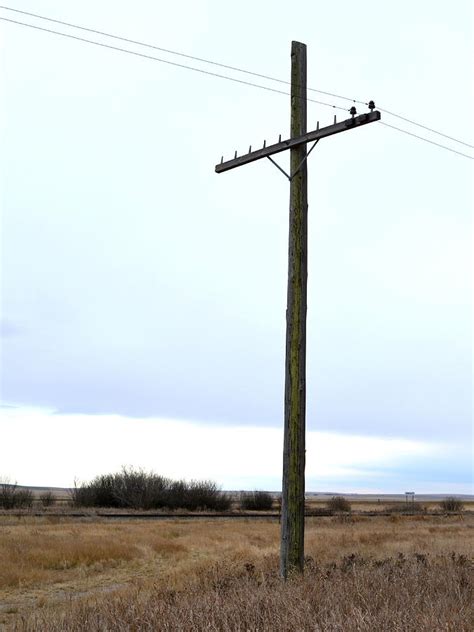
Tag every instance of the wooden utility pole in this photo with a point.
(292, 502)
(293, 488)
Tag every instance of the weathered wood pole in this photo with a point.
(293, 489)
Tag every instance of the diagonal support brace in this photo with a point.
(278, 167)
(290, 178)
(305, 158)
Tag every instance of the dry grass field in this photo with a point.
(385, 573)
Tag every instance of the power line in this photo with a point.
(213, 74)
(234, 68)
(403, 118)
(426, 140)
(173, 52)
(166, 61)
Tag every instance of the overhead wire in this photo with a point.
(166, 61)
(220, 76)
(234, 68)
(403, 118)
(174, 52)
(426, 140)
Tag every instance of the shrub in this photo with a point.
(127, 489)
(47, 498)
(339, 503)
(11, 497)
(451, 504)
(256, 501)
(24, 499)
(96, 493)
(206, 495)
(7, 495)
(137, 489)
(82, 495)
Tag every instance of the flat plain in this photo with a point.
(384, 573)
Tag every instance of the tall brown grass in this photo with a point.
(352, 594)
(394, 573)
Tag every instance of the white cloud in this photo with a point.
(41, 447)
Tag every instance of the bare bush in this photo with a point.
(451, 503)
(206, 495)
(47, 498)
(14, 497)
(339, 504)
(137, 489)
(96, 493)
(24, 499)
(7, 495)
(256, 501)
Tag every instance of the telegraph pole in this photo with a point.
(293, 487)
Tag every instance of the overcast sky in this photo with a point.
(143, 296)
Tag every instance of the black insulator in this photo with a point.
(371, 105)
(353, 111)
